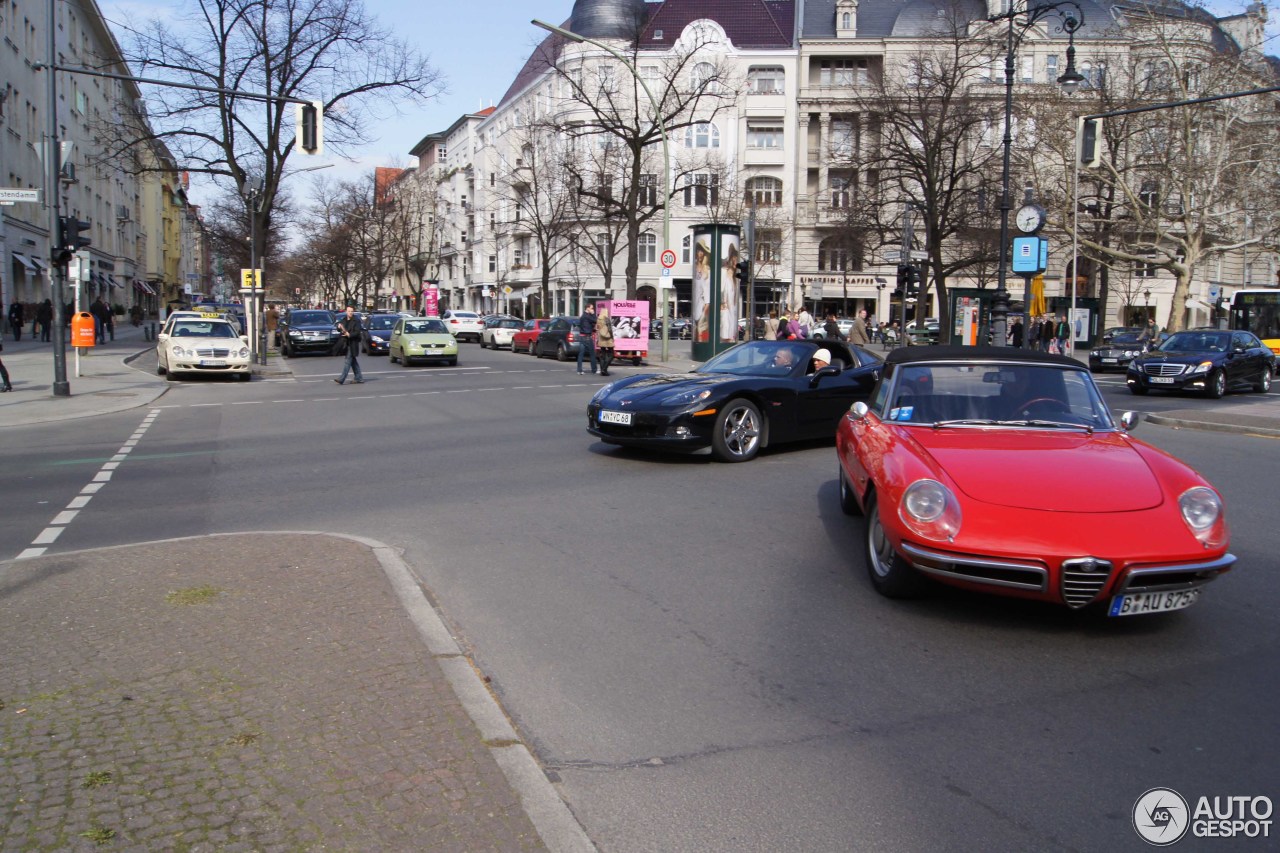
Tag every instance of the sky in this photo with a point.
(479, 46)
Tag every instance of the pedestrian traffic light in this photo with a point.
(743, 271)
(309, 127)
(1090, 142)
(902, 276)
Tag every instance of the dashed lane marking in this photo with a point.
(60, 521)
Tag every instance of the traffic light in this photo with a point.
(70, 238)
(902, 276)
(309, 127)
(743, 271)
(1089, 136)
(913, 279)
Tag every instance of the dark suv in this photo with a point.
(304, 330)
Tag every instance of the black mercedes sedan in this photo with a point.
(1211, 361)
(307, 330)
(1116, 354)
(756, 394)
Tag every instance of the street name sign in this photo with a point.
(9, 195)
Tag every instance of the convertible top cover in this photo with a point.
(912, 355)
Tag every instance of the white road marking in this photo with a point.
(60, 521)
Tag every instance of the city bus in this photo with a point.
(1258, 311)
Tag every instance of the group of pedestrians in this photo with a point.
(41, 322)
(1048, 333)
(595, 333)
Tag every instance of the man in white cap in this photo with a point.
(821, 359)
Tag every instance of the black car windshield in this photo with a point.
(762, 358)
(995, 394)
(311, 318)
(381, 322)
(1196, 342)
(1126, 339)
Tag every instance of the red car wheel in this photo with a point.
(892, 576)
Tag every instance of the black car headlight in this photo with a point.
(1202, 367)
(683, 398)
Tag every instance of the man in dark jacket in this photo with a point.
(16, 320)
(101, 316)
(44, 316)
(351, 331)
(586, 336)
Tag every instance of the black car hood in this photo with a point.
(1181, 357)
(654, 387)
(310, 327)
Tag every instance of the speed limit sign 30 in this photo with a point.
(668, 259)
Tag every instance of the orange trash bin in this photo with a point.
(82, 333)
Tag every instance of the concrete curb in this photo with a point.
(551, 817)
(1211, 426)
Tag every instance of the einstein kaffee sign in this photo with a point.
(836, 286)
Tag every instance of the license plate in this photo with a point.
(212, 362)
(1110, 360)
(1161, 380)
(1138, 603)
(623, 418)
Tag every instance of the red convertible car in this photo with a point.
(1001, 470)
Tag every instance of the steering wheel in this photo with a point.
(1054, 402)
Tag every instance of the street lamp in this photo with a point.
(258, 343)
(1146, 297)
(1072, 19)
(666, 151)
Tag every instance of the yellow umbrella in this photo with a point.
(1037, 297)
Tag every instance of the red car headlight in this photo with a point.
(1202, 511)
(930, 510)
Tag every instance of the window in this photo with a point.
(768, 246)
(648, 196)
(842, 72)
(701, 190)
(702, 135)
(1028, 69)
(836, 255)
(704, 74)
(1145, 269)
(842, 138)
(846, 20)
(602, 248)
(493, 263)
(766, 80)
(517, 257)
(764, 135)
(1094, 75)
(1051, 68)
(1149, 195)
(841, 190)
(647, 248)
(686, 246)
(764, 192)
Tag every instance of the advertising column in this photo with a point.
(716, 304)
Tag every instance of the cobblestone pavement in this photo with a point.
(237, 693)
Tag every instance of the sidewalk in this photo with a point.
(285, 691)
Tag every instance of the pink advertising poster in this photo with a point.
(630, 322)
(431, 301)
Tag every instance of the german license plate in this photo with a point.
(212, 362)
(1110, 360)
(1161, 380)
(1139, 603)
(623, 418)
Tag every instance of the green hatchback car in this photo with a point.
(422, 339)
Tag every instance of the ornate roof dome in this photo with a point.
(608, 18)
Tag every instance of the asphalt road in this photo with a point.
(691, 648)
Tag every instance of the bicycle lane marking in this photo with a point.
(103, 476)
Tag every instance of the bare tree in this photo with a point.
(326, 50)
(924, 136)
(1177, 186)
(604, 104)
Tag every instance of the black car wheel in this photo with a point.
(1263, 385)
(892, 576)
(562, 353)
(286, 351)
(1217, 385)
(737, 432)
(848, 500)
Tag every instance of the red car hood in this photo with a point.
(1056, 472)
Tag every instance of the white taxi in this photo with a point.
(205, 344)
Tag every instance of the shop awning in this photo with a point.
(25, 261)
(143, 287)
(111, 280)
(41, 266)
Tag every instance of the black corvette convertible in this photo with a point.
(748, 397)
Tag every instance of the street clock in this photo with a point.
(1030, 218)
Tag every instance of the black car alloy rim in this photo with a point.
(741, 431)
